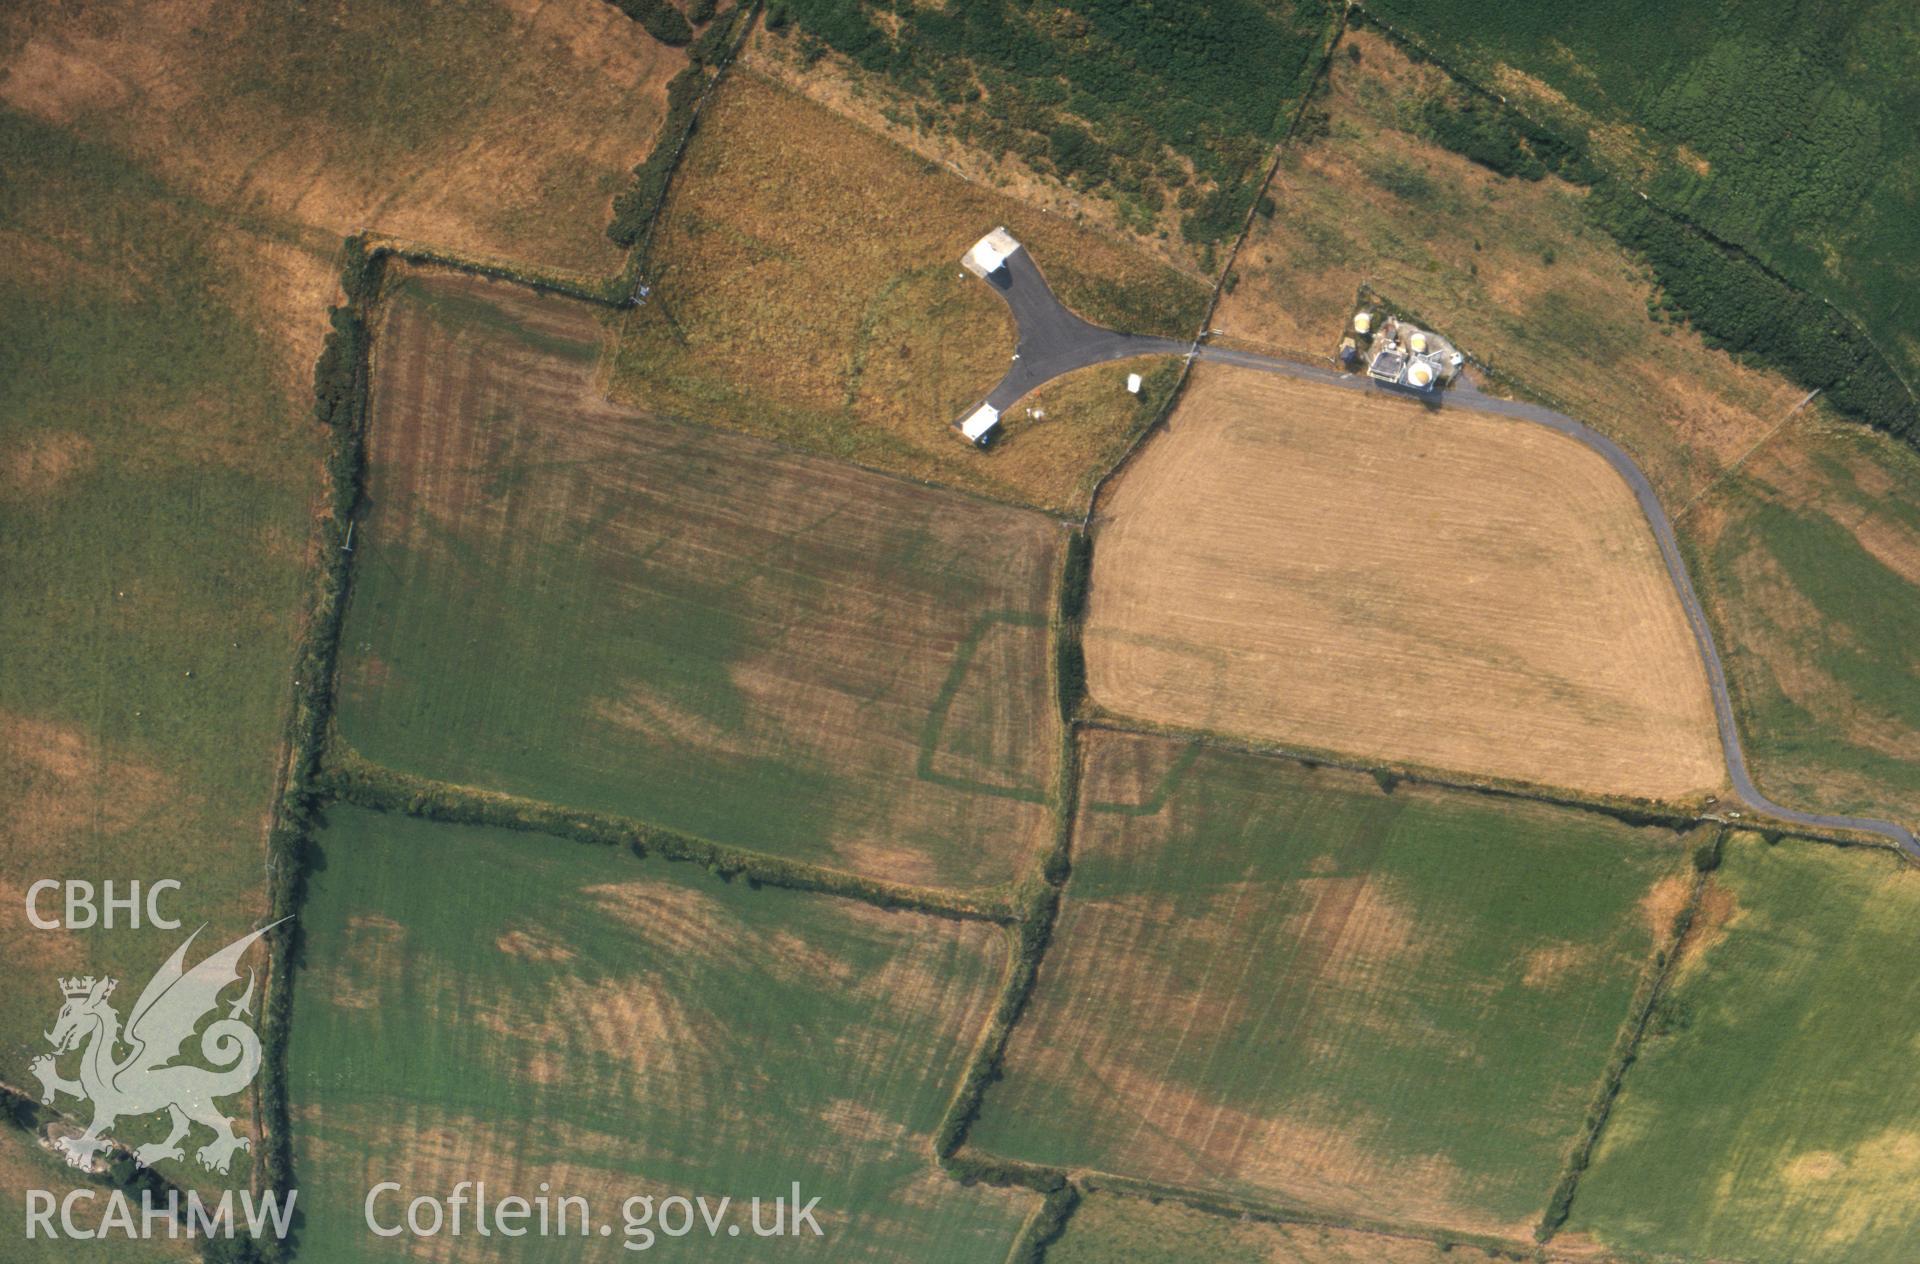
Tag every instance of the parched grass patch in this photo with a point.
(576, 601)
(1115, 1229)
(1467, 251)
(1292, 986)
(474, 125)
(1771, 1115)
(1509, 269)
(631, 1029)
(1070, 432)
(155, 483)
(820, 300)
(1344, 570)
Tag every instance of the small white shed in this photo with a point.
(980, 425)
(990, 253)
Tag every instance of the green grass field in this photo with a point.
(574, 602)
(24, 1166)
(1814, 569)
(471, 125)
(1112, 1229)
(485, 1005)
(158, 462)
(1291, 986)
(1771, 1113)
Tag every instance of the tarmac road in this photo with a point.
(1054, 341)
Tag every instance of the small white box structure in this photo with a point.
(1133, 383)
(980, 425)
(990, 253)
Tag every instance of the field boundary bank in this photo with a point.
(617, 290)
(1071, 1185)
(1629, 812)
(357, 782)
(1337, 28)
(747, 14)
(1077, 1183)
(1648, 995)
(1037, 902)
(1421, 52)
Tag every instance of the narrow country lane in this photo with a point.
(1054, 341)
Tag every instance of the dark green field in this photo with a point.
(1165, 111)
(482, 1005)
(1792, 131)
(1292, 986)
(1771, 1114)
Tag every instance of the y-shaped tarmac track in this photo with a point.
(1054, 341)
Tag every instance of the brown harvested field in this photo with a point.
(498, 127)
(1343, 571)
(822, 303)
(574, 600)
(1468, 251)
(1827, 691)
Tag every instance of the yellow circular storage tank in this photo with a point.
(1362, 322)
(1420, 374)
(1418, 342)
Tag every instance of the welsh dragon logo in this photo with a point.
(148, 1079)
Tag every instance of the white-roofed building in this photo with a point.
(980, 424)
(990, 253)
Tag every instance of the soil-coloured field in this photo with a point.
(822, 302)
(1292, 986)
(572, 600)
(636, 1029)
(1346, 571)
(1771, 1112)
(492, 126)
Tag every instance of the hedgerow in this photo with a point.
(1738, 304)
(635, 207)
(1809, 159)
(340, 403)
(351, 780)
(659, 19)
